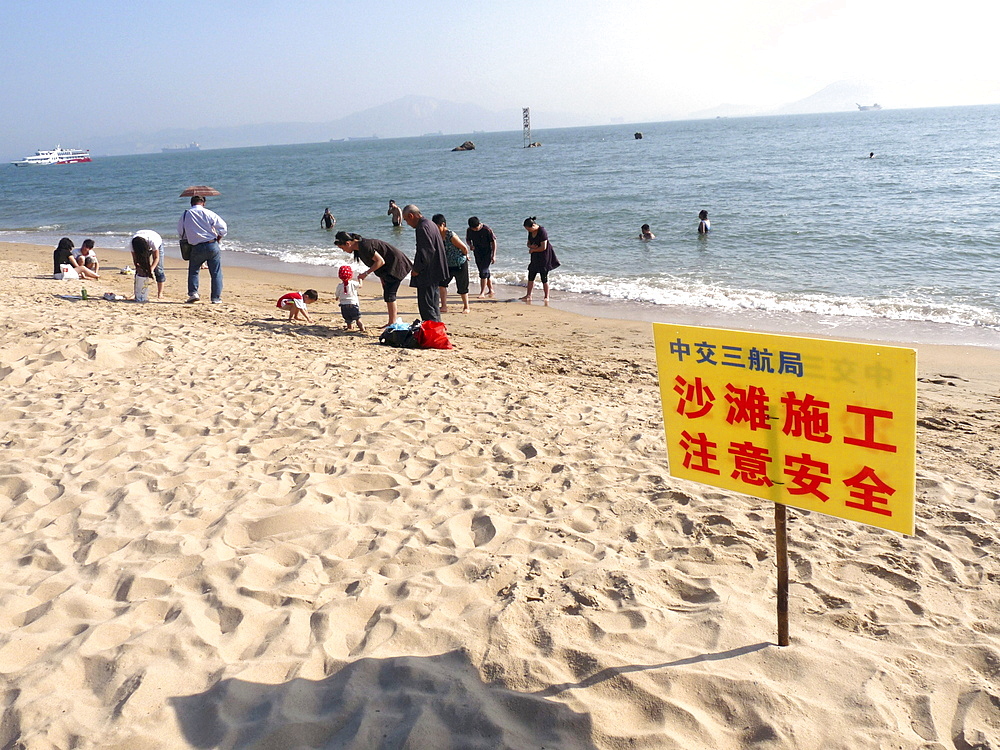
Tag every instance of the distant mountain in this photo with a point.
(408, 116)
(842, 96)
(416, 115)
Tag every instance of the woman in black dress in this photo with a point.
(543, 257)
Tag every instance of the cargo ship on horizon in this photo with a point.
(190, 147)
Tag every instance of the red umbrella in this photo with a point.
(204, 190)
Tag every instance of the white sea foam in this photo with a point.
(311, 256)
(678, 292)
(917, 306)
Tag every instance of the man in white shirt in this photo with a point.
(203, 229)
(156, 261)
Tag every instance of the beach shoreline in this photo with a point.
(868, 329)
(221, 529)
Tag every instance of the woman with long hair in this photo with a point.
(142, 257)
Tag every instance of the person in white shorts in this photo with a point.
(155, 242)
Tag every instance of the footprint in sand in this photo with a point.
(623, 621)
(483, 530)
(584, 520)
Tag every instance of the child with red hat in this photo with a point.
(347, 297)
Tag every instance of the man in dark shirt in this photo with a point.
(484, 247)
(430, 264)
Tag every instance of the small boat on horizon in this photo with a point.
(869, 107)
(58, 155)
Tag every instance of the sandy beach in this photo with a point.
(222, 530)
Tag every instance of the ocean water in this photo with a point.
(805, 226)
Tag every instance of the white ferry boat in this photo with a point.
(58, 155)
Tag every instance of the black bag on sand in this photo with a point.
(185, 245)
(404, 338)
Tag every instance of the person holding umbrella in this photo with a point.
(203, 229)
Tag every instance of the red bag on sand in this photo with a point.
(432, 335)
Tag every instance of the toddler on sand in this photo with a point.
(295, 303)
(347, 296)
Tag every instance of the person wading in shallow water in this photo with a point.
(484, 247)
(395, 213)
(543, 258)
(328, 220)
(704, 225)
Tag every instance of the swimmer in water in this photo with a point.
(395, 213)
(645, 233)
(704, 225)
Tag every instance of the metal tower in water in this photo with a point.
(526, 118)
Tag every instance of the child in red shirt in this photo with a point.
(295, 303)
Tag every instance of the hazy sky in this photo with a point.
(73, 70)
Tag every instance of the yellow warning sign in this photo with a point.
(820, 425)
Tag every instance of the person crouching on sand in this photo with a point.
(88, 257)
(295, 303)
(347, 296)
(144, 257)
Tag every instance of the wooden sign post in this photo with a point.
(781, 553)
